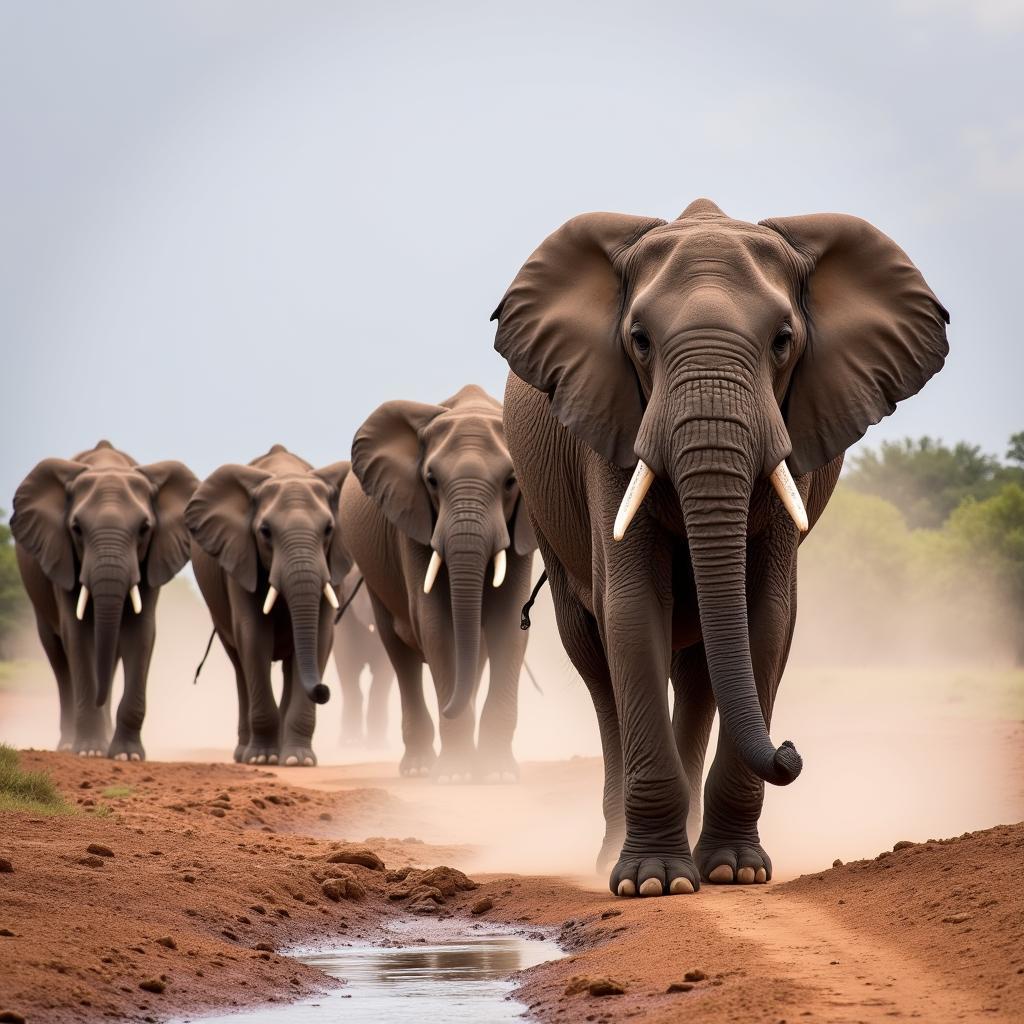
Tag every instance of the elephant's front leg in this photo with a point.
(254, 644)
(636, 613)
(92, 736)
(138, 635)
(729, 849)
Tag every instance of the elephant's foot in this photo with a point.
(297, 755)
(654, 871)
(239, 754)
(261, 752)
(454, 767)
(732, 860)
(90, 742)
(416, 763)
(65, 743)
(497, 766)
(126, 747)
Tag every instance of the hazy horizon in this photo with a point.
(238, 223)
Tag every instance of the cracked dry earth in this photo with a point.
(175, 886)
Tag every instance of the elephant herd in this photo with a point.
(680, 398)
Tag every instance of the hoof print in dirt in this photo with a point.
(361, 855)
(594, 986)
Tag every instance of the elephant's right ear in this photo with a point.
(558, 328)
(386, 459)
(219, 516)
(39, 522)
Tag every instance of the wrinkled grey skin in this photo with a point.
(271, 523)
(357, 646)
(104, 522)
(440, 477)
(711, 349)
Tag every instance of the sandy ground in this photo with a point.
(207, 870)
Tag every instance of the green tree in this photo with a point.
(13, 602)
(924, 478)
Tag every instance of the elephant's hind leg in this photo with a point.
(582, 642)
(692, 715)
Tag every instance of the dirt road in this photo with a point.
(211, 870)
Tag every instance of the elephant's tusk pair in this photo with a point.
(499, 568)
(785, 488)
(643, 477)
(83, 600)
(432, 570)
(636, 491)
(136, 600)
(332, 597)
(269, 603)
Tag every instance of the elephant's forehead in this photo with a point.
(297, 490)
(110, 485)
(679, 252)
(458, 432)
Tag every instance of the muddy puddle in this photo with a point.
(450, 978)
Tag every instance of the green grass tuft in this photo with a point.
(27, 791)
(112, 792)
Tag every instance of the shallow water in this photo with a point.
(451, 980)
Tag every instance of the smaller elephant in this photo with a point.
(433, 517)
(267, 554)
(357, 645)
(117, 529)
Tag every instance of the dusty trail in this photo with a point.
(847, 977)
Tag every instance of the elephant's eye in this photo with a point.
(510, 483)
(431, 479)
(781, 343)
(76, 527)
(264, 531)
(641, 343)
(329, 528)
(144, 527)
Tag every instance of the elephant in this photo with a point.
(268, 556)
(356, 644)
(117, 530)
(432, 488)
(668, 381)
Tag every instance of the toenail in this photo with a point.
(650, 887)
(761, 875)
(627, 887)
(745, 876)
(681, 885)
(723, 873)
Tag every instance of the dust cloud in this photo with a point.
(901, 740)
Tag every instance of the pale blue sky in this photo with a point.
(229, 223)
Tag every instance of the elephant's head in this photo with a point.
(108, 530)
(708, 351)
(283, 529)
(442, 475)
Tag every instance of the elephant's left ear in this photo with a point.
(524, 540)
(338, 560)
(173, 485)
(875, 334)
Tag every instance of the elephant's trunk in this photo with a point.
(469, 548)
(713, 471)
(302, 583)
(108, 573)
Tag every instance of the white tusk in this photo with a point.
(785, 488)
(332, 597)
(636, 491)
(83, 600)
(432, 570)
(499, 568)
(269, 603)
(136, 599)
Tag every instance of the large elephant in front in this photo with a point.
(116, 531)
(432, 516)
(663, 375)
(267, 555)
(357, 646)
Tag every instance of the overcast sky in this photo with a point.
(226, 224)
